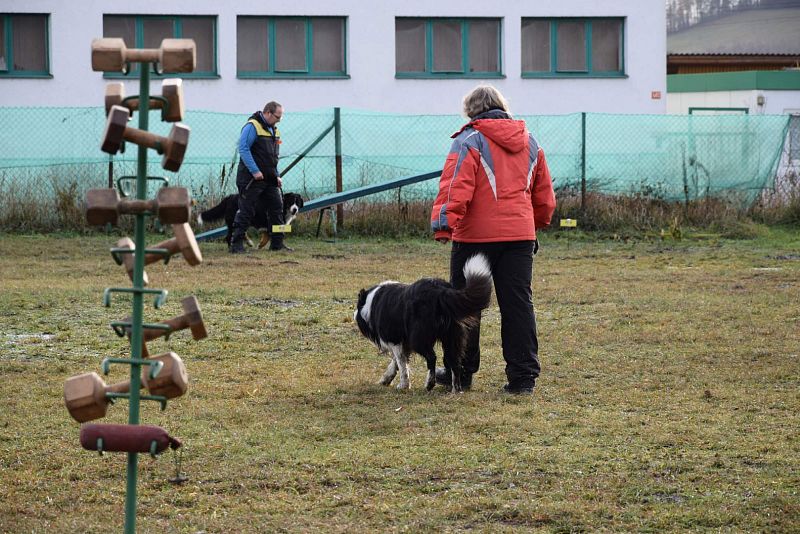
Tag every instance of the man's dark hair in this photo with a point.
(271, 106)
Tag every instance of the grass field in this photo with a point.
(669, 399)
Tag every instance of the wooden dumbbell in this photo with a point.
(174, 55)
(117, 130)
(183, 242)
(85, 395)
(171, 91)
(171, 205)
(192, 319)
(172, 381)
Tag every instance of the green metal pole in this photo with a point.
(692, 151)
(138, 283)
(583, 162)
(337, 133)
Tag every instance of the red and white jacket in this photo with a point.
(495, 185)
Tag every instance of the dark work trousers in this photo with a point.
(512, 269)
(253, 195)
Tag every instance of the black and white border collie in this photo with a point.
(228, 206)
(405, 318)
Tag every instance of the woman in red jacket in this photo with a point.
(495, 191)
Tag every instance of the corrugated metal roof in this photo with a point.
(754, 32)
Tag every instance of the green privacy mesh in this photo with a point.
(664, 156)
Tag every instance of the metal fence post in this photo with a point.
(583, 162)
(337, 134)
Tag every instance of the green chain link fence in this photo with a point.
(49, 157)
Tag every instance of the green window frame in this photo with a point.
(9, 41)
(178, 22)
(465, 70)
(588, 70)
(267, 57)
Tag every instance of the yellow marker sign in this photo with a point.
(569, 223)
(281, 228)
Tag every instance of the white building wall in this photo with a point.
(772, 102)
(370, 43)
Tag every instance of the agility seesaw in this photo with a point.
(327, 201)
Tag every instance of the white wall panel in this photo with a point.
(372, 84)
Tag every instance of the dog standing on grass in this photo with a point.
(228, 206)
(405, 318)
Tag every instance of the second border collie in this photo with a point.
(405, 318)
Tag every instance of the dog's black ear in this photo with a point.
(362, 297)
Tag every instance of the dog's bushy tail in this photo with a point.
(464, 305)
(217, 213)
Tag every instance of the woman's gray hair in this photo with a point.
(482, 99)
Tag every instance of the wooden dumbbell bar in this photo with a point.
(87, 396)
(174, 55)
(192, 319)
(172, 205)
(170, 102)
(173, 148)
(183, 242)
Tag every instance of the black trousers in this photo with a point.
(512, 270)
(253, 195)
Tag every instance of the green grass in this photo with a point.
(668, 399)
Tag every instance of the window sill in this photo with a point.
(564, 75)
(446, 76)
(290, 76)
(40, 75)
(154, 76)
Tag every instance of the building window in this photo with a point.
(437, 47)
(141, 31)
(291, 47)
(23, 45)
(568, 47)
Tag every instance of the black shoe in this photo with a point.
(283, 248)
(518, 390)
(237, 248)
(443, 378)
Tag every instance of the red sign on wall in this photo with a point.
(655, 95)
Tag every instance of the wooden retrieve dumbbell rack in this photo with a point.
(111, 55)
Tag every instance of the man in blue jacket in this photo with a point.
(257, 177)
